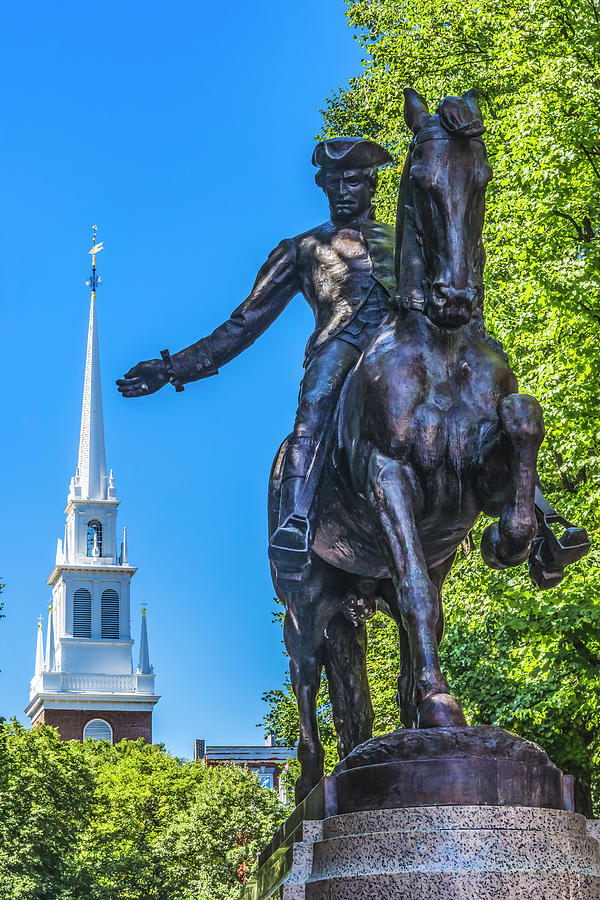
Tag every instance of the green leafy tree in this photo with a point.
(139, 787)
(213, 845)
(129, 822)
(517, 657)
(46, 799)
(166, 828)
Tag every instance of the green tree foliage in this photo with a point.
(526, 660)
(129, 822)
(46, 798)
(212, 846)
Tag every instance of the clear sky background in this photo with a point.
(184, 131)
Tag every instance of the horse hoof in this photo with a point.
(440, 711)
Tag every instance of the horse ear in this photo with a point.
(416, 110)
(472, 98)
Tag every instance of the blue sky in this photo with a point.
(184, 130)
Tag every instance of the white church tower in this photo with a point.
(84, 682)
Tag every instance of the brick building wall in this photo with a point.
(127, 724)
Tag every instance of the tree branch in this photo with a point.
(578, 229)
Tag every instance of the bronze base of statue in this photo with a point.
(479, 766)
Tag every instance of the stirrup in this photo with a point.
(289, 547)
(572, 545)
(549, 554)
(544, 574)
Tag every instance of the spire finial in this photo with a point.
(95, 279)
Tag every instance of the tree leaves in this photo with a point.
(129, 822)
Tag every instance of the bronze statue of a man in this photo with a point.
(345, 270)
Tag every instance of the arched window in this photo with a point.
(98, 730)
(82, 613)
(109, 614)
(94, 529)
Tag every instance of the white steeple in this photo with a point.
(39, 650)
(144, 667)
(88, 665)
(92, 457)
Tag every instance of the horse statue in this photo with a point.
(430, 431)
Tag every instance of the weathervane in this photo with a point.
(95, 279)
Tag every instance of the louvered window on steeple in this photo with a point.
(82, 613)
(109, 614)
(94, 530)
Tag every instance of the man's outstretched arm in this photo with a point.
(276, 283)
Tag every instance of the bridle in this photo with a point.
(424, 136)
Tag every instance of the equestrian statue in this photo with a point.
(409, 426)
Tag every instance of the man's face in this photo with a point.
(349, 192)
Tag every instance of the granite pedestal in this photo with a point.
(439, 853)
(441, 814)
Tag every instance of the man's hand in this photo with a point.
(145, 378)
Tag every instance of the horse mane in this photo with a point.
(403, 198)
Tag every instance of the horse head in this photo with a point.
(439, 245)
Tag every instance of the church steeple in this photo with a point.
(85, 684)
(91, 466)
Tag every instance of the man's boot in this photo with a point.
(290, 542)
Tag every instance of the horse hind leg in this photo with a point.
(508, 542)
(304, 641)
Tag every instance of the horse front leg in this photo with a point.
(391, 492)
(508, 542)
(305, 647)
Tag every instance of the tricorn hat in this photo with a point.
(350, 153)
